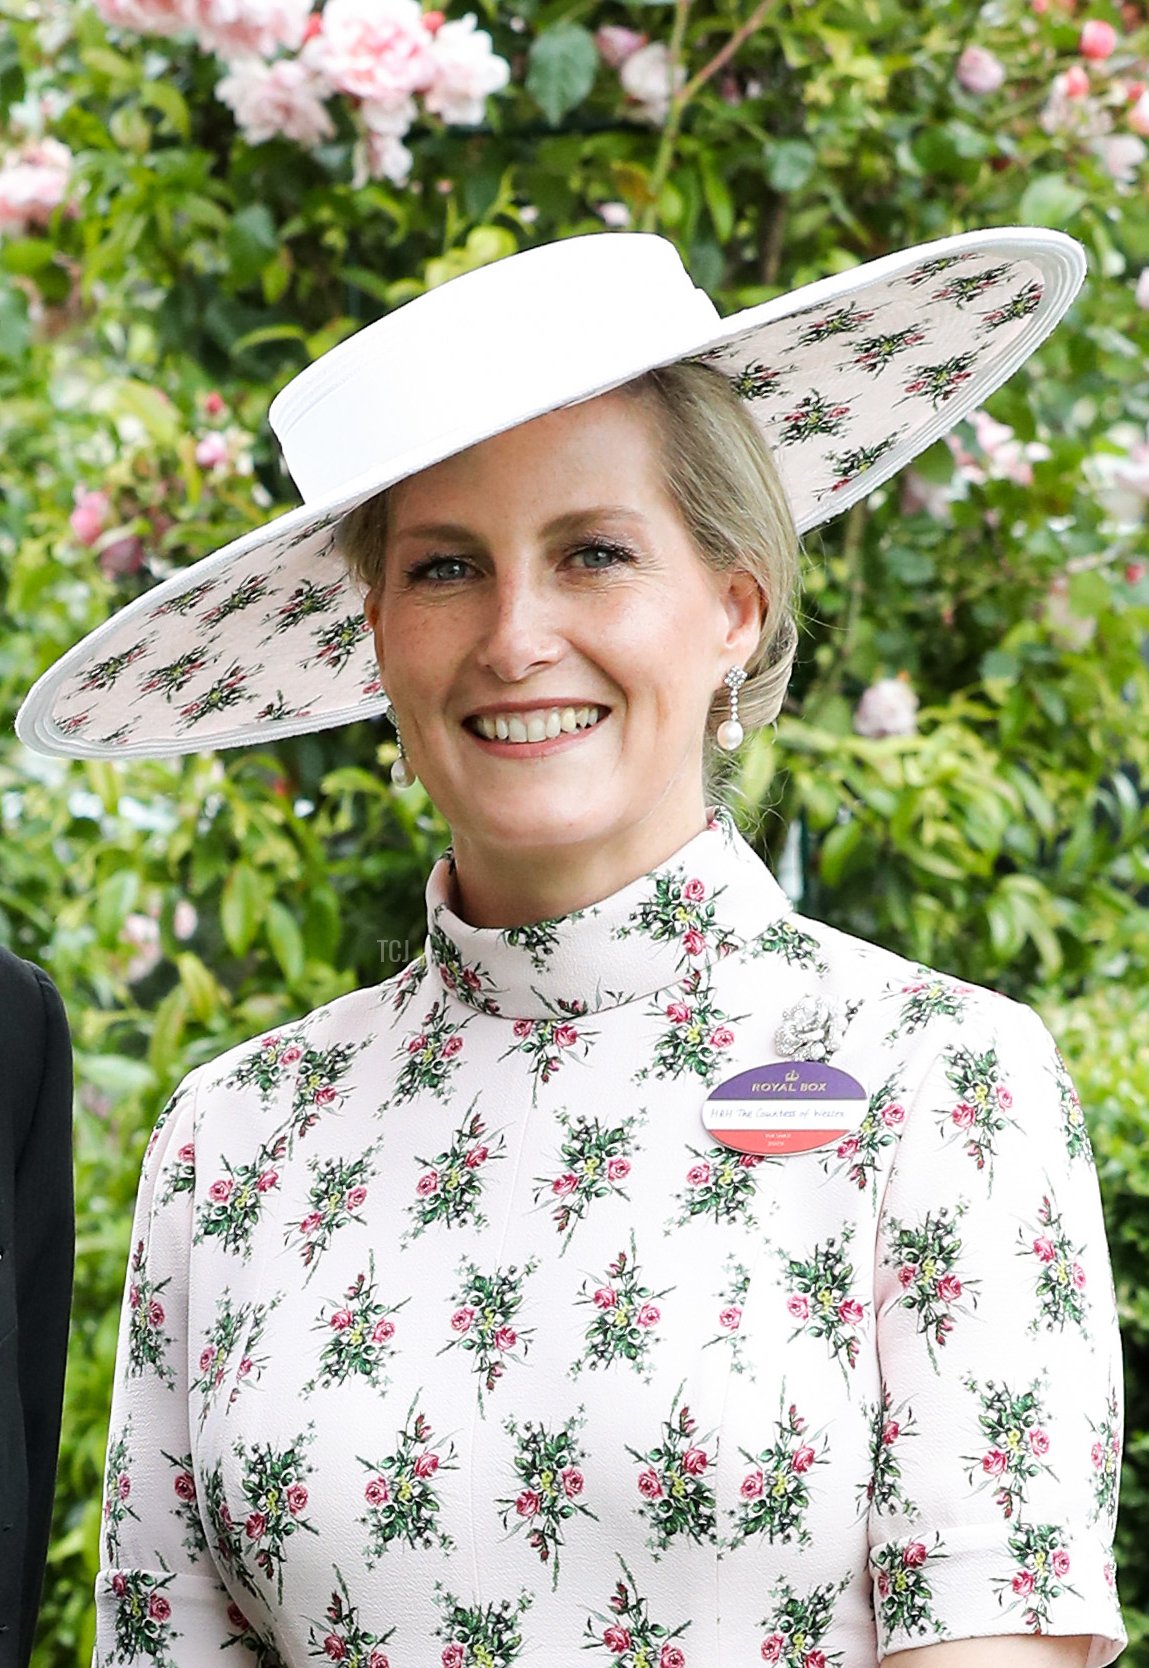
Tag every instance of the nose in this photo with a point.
(521, 629)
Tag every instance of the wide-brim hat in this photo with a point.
(848, 378)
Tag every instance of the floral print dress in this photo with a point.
(452, 1339)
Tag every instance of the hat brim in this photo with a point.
(849, 378)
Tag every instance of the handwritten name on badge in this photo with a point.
(790, 1106)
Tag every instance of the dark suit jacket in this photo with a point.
(37, 1241)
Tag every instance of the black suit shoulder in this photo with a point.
(37, 1238)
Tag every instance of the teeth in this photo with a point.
(542, 725)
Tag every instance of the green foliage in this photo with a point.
(183, 907)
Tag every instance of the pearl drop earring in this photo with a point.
(730, 730)
(401, 773)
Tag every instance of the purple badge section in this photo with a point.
(789, 1106)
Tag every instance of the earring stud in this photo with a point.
(730, 730)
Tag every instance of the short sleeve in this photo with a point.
(159, 1599)
(997, 1445)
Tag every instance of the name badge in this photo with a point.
(791, 1106)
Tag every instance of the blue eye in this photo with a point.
(426, 570)
(614, 553)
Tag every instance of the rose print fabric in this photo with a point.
(451, 1338)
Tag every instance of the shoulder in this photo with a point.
(27, 994)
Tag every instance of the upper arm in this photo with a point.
(1011, 1651)
(1000, 1356)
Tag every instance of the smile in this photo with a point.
(540, 724)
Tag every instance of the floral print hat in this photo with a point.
(848, 378)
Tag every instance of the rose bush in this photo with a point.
(196, 199)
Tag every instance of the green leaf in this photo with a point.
(1050, 201)
(561, 67)
(285, 939)
(789, 164)
(837, 849)
(170, 102)
(251, 241)
(241, 907)
(203, 991)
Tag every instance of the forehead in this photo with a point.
(607, 446)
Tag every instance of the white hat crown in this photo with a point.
(537, 330)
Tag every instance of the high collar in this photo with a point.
(711, 898)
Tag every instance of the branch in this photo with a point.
(726, 52)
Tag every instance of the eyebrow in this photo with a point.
(570, 522)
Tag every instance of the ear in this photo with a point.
(371, 615)
(746, 609)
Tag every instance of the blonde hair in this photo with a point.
(724, 484)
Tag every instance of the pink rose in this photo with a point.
(382, 1331)
(883, 1584)
(1004, 1097)
(340, 1320)
(427, 1184)
(220, 1191)
(1022, 1583)
(291, 1054)
(462, 1318)
(616, 43)
(572, 1481)
(356, 1197)
(801, 1460)
(119, 1585)
(994, 1463)
(1061, 1563)
(893, 1116)
(564, 1184)
(848, 1147)
(850, 1312)
(426, 1465)
(451, 1047)
(184, 1486)
(914, 1555)
(377, 1493)
(752, 1485)
(522, 1028)
(255, 1526)
(90, 516)
(334, 1647)
(616, 1638)
(212, 452)
(1138, 119)
(476, 1156)
(730, 1318)
(694, 891)
(751, 1161)
(155, 1313)
(186, 1154)
(417, 1044)
(698, 1174)
(814, 1659)
(124, 1485)
(324, 1096)
(1044, 1250)
(133, 1297)
(949, 1288)
(1097, 1455)
(506, 1338)
(158, 1608)
(378, 50)
(236, 1618)
(244, 1367)
(891, 1430)
(671, 1657)
(694, 1462)
(1077, 1275)
(1097, 40)
(964, 1114)
(310, 1222)
(605, 1297)
(452, 1656)
(773, 1647)
(528, 1503)
(799, 1306)
(296, 1498)
(649, 1315)
(267, 1181)
(649, 1484)
(617, 1169)
(566, 1036)
(679, 1013)
(907, 1274)
(722, 1036)
(978, 71)
(1039, 1440)
(693, 942)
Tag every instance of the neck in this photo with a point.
(510, 886)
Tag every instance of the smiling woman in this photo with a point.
(643, 1270)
